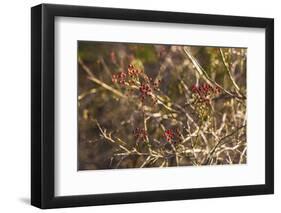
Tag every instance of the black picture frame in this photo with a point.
(43, 102)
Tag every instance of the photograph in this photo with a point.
(134, 105)
(160, 105)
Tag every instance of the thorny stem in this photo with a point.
(220, 142)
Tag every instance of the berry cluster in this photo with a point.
(132, 71)
(169, 135)
(126, 76)
(147, 88)
(203, 95)
(140, 133)
(145, 91)
(119, 78)
(205, 92)
(136, 78)
(172, 135)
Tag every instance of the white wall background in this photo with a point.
(15, 105)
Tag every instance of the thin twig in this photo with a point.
(220, 142)
(229, 74)
(97, 81)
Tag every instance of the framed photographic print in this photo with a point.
(139, 106)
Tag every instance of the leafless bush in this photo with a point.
(175, 114)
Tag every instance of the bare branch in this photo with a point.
(229, 74)
(97, 81)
